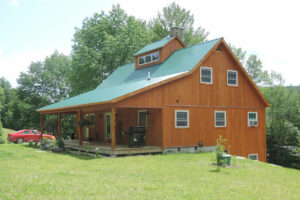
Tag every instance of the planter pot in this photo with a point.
(223, 160)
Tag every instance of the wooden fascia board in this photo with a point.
(175, 38)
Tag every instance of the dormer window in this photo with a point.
(149, 58)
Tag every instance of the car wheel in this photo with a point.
(20, 140)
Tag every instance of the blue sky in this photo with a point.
(30, 30)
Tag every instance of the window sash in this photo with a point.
(181, 118)
(220, 118)
(232, 77)
(205, 75)
(142, 118)
(149, 58)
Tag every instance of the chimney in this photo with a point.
(175, 31)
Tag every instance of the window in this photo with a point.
(220, 119)
(252, 119)
(253, 156)
(181, 118)
(26, 132)
(142, 118)
(149, 58)
(232, 77)
(206, 75)
(92, 119)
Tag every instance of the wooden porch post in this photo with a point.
(42, 122)
(80, 128)
(112, 126)
(77, 125)
(59, 125)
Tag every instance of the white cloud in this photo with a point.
(13, 3)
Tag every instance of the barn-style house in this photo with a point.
(181, 98)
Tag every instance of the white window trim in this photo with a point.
(139, 111)
(252, 155)
(211, 80)
(218, 111)
(145, 58)
(188, 119)
(237, 78)
(252, 120)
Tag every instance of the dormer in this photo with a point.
(157, 52)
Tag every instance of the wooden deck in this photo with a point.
(105, 149)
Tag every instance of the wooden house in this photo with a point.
(185, 97)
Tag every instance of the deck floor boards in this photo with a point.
(106, 149)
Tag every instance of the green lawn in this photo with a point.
(28, 173)
(5, 132)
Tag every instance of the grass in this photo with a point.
(29, 173)
(5, 133)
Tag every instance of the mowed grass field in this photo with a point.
(29, 173)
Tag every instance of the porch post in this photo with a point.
(80, 129)
(113, 130)
(42, 122)
(77, 125)
(59, 125)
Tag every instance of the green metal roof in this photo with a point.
(153, 46)
(126, 79)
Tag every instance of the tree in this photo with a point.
(104, 42)
(2, 98)
(175, 16)
(44, 83)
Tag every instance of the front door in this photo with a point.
(107, 128)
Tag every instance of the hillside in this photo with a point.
(28, 173)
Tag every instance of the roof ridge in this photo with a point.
(199, 44)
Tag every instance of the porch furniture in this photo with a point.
(137, 136)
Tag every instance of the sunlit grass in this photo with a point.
(29, 173)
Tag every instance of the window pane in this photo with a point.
(148, 58)
(206, 75)
(155, 56)
(252, 115)
(220, 123)
(141, 60)
(143, 119)
(92, 120)
(232, 78)
(181, 115)
(220, 116)
(181, 123)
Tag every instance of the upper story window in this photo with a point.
(206, 75)
(181, 118)
(149, 58)
(232, 77)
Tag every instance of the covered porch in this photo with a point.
(108, 129)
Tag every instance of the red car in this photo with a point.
(27, 135)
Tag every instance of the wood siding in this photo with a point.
(202, 100)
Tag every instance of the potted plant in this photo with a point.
(223, 159)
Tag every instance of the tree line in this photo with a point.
(108, 40)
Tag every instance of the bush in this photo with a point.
(30, 143)
(60, 144)
(220, 151)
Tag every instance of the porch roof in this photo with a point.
(126, 79)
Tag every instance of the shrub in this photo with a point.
(60, 144)
(220, 149)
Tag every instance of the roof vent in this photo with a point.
(175, 31)
(149, 76)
